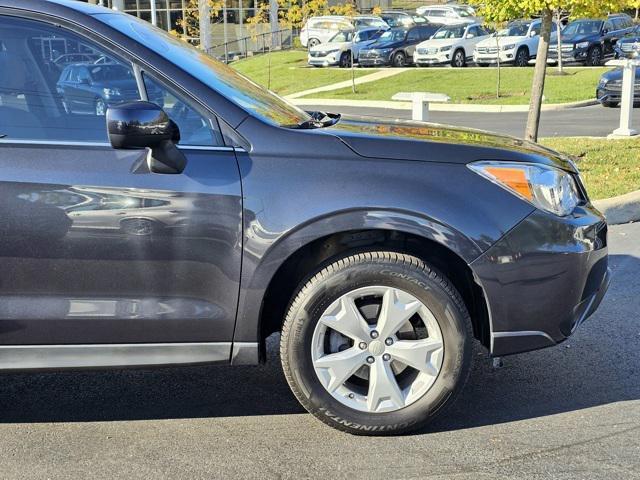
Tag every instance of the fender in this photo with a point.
(265, 252)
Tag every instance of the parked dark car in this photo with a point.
(629, 45)
(591, 41)
(92, 88)
(395, 47)
(609, 90)
(381, 250)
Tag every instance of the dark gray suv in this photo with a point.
(188, 233)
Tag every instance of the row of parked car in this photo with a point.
(376, 44)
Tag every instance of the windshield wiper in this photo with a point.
(2, 135)
(319, 120)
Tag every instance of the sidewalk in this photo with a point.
(434, 107)
(389, 72)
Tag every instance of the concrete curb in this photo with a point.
(621, 209)
(438, 107)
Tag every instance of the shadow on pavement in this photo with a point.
(599, 365)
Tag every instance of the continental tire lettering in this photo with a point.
(405, 277)
(364, 428)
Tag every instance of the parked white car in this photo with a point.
(319, 30)
(338, 50)
(451, 44)
(445, 14)
(516, 44)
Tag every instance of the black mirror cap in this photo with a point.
(140, 124)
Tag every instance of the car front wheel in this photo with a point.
(459, 59)
(399, 59)
(376, 344)
(594, 57)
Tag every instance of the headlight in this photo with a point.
(582, 45)
(111, 92)
(604, 81)
(445, 49)
(546, 188)
(511, 46)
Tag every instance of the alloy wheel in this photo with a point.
(458, 59)
(377, 349)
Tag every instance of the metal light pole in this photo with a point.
(628, 91)
(154, 13)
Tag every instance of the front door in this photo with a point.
(94, 249)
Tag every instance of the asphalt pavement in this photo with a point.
(596, 121)
(568, 412)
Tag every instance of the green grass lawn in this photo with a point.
(608, 167)
(290, 72)
(475, 85)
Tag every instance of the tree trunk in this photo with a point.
(537, 86)
(559, 43)
(498, 60)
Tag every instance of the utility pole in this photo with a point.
(273, 22)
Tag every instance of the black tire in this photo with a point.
(312, 42)
(399, 59)
(345, 60)
(400, 271)
(610, 104)
(522, 57)
(594, 57)
(483, 65)
(459, 59)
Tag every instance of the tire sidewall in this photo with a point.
(397, 63)
(520, 55)
(307, 313)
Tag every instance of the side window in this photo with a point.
(608, 26)
(414, 35)
(56, 85)
(195, 128)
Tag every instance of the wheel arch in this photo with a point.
(296, 257)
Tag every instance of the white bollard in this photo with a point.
(628, 91)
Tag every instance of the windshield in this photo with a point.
(110, 72)
(514, 30)
(463, 12)
(449, 32)
(238, 89)
(582, 27)
(393, 35)
(341, 37)
(397, 20)
(370, 22)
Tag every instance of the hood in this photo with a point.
(385, 44)
(419, 141)
(491, 42)
(327, 47)
(578, 38)
(440, 42)
(615, 74)
(630, 39)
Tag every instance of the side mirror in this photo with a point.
(605, 31)
(533, 33)
(140, 124)
(470, 35)
(85, 81)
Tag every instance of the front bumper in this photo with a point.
(373, 61)
(327, 61)
(428, 59)
(571, 56)
(614, 95)
(543, 279)
(507, 56)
